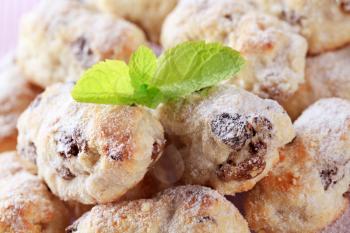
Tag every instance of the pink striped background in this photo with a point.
(10, 14)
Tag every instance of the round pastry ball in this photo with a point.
(88, 153)
(228, 138)
(26, 204)
(307, 190)
(60, 39)
(326, 75)
(15, 95)
(181, 209)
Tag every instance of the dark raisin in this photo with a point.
(262, 126)
(65, 173)
(292, 17)
(83, 52)
(327, 176)
(29, 152)
(228, 17)
(258, 148)
(117, 152)
(347, 193)
(344, 5)
(245, 170)
(206, 219)
(71, 145)
(233, 130)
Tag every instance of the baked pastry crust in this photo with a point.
(228, 137)
(26, 205)
(306, 191)
(88, 153)
(181, 209)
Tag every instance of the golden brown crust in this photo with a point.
(305, 191)
(107, 148)
(26, 205)
(182, 209)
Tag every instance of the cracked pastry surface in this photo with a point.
(149, 14)
(306, 191)
(60, 39)
(15, 95)
(325, 23)
(326, 75)
(182, 209)
(228, 137)
(26, 205)
(275, 53)
(88, 153)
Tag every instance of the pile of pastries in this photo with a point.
(266, 151)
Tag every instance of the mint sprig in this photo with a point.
(148, 81)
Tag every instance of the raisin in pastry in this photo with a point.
(26, 204)
(275, 54)
(60, 39)
(228, 137)
(307, 190)
(184, 209)
(15, 95)
(88, 153)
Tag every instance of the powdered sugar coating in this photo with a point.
(307, 191)
(87, 152)
(324, 23)
(274, 51)
(180, 209)
(234, 160)
(26, 205)
(326, 75)
(148, 14)
(60, 39)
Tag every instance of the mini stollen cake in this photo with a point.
(326, 75)
(15, 95)
(275, 53)
(60, 39)
(88, 153)
(184, 209)
(228, 138)
(26, 204)
(307, 190)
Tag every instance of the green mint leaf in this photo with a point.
(106, 82)
(142, 66)
(192, 66)
(187, 68)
